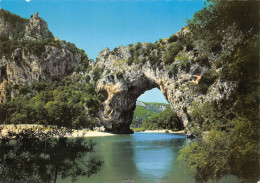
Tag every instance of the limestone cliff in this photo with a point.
(179, 71)
(29, 52)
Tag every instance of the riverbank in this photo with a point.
(75, 133)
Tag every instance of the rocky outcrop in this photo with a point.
(11, 26)
(35, 56)
(155, 107)
(123, 82)
(37, 29)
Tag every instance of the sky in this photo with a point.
(94, 25)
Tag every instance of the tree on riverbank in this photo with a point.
(34, 155)
(228, 131)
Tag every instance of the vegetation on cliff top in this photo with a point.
(11, 17)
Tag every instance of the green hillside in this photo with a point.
(145, 110)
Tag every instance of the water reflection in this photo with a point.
(151, 161)
(117, 152)
(155, 155)
(37, 156)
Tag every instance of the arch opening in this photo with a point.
(117, 111)
(148, 104)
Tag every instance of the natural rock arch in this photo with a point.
(123, 80)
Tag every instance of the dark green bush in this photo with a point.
(138, 46)
(172, 52)
(173, 70)
(206, 81)
(97, 71)
(130, 60)
(154, 59)
(173, 38)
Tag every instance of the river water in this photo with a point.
(141, 158)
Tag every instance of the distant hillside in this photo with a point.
(146, 110)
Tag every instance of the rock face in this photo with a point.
(156, 108)
(37, 29)
(35, 55)
(123, 82)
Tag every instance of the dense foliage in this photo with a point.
(33, 155)
(227, 131)
(164, 120)
(148, 110)
(140, 114)
(68, 103)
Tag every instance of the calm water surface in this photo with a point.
(140, 158)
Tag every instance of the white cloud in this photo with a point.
(28, 1)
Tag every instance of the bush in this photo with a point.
(154, 59)
(184, 62)
(97, 71)
(173, 70)
(172, 52)
(173, 38)
(206, 81)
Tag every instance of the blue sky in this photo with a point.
(94, 25)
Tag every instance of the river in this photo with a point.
(141, 158)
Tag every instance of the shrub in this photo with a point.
(184, 62)
(153, 59)
(172, 52)
(130, 60)
(138, 46)
(173, 38)
(173, 70)
(97, 71)
(206, 80)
